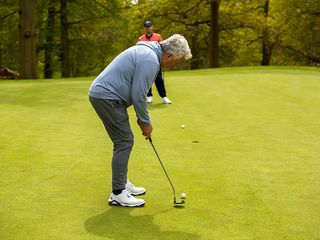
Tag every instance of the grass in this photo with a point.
(248, 159)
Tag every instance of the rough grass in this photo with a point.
(248, 159)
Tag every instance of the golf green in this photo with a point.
(247, 157)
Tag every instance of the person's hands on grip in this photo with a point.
(145, 128)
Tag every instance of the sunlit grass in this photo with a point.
(248, 159)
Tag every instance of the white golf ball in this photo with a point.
(183, 126)
(183, 195)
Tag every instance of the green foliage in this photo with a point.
(240, 32)
(9, 34)
(99, 30)
(301, 40)
(97, 35)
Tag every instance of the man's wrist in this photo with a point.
(143, 123)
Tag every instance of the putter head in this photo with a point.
(178, 203)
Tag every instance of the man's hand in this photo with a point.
(145, 128)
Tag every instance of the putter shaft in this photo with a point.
(174, 191)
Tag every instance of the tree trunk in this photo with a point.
(0, 58)
(195, 54)
(27, 11)
(49, 45)
(214, 29)
(65, 66)
(266, 46)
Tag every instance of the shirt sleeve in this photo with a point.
(144, 75)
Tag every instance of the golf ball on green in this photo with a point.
(183, 195)
(183, 126)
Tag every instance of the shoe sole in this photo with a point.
(115, 203)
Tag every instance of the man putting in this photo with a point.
(125, 82)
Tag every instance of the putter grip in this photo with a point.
(150, 140)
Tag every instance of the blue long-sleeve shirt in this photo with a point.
(129, 77)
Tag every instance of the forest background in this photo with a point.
(72, 38)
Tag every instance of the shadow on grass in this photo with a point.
(157, 106)
(117, 223)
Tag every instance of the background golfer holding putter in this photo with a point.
(125, 82)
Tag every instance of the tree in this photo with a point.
(214, 30)
(27, 39)
(64, 38)
(300, 43)
(266, 48)
(49, 44)
(79, 38)
(272, 29)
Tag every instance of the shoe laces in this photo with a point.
(130, 184)
(127, 193)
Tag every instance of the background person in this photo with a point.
(149, 35)
(125, 82)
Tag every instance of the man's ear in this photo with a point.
(170, 56)
(167, 56)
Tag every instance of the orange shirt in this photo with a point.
(154, 37)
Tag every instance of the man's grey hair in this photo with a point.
(178, 46)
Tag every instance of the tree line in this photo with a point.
(79, 37)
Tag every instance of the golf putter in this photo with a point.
(175, 201)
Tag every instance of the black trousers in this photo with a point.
(159, 85)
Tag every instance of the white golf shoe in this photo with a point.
(149, 99)
(166, 100)
(125, 199)
(135, 191)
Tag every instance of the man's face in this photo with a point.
(148, 30)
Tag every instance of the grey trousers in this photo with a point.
(115, 118)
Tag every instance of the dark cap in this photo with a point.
(147, 24)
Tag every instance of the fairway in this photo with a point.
(247, 158)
